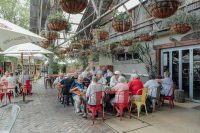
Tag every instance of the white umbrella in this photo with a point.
(34, 56)
(11, 34)
(26, 49)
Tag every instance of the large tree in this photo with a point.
(16, 11)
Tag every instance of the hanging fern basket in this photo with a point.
(57, 24)
(76, 46)
(86, 43)
(46, 44)
(100, 34)
(121, 25)
(180, 28)
(73, 6)
(126, 43)
(50, 35)
(146, 37)
(163, 8)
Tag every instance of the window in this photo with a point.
(125, 56)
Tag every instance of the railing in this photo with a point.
(8, 116)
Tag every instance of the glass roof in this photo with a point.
(75, 19)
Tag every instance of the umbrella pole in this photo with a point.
(29, 65)
(22, 67)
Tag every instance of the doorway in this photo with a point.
(183, 63)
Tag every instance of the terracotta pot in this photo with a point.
(86, 43)
(46, 44)
(180, 28)
(76, 46)
(73, 6)
(146, 37)
(57, 25)
(68, 49)
(163, 8)
(121, 26)
(126, 43)
(101, 35)
(50, 35)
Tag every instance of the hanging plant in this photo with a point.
(182, 22)
(100, 34)
(147, 35)
(68, 27)
(121, 22)
(162, 8)
(86, 43)
(57, 21)
(104, 52)
(50, 35)
(119, 49)
(112, 46)
(68, 49)
(75, 45)
(46, 44)
(126, 43)
(73, 6)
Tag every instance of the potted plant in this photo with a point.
(73, 6)
(119, 49)
(182, 22)
(75, 45)
(126, 43)
(147, 35)
(50, 35)
(100, 34)
(121, 22)
(162, 8)
(56, 20)
(86, 43)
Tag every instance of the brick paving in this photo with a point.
(44, 114)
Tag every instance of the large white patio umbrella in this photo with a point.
(11, 34)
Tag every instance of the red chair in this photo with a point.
(27, 87)
(169, 98)
(98, 106)
(5, 83)
(1, 96)
(125, 104)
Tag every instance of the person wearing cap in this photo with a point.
(114, 78)
(135, 86)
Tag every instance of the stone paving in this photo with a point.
(44, 114)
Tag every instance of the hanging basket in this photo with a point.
(126, 43)
(146, 37)
(86, 43)
(57, 25)
(100, 34)
(163, 8)
(76, 46)
(68, 49)
(119, 50)
(46, 44)
(50, 35)
(121, 26)
(73, 6)
(180, 28)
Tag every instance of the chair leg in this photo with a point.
(120, 112)
(138, 110)
(93, 116)
(146, 109)
(102, 115)
(113, 110)
(154, 105)
(129, 112)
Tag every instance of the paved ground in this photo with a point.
(44, 114)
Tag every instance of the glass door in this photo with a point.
(196, 74)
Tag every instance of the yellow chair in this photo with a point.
(141, 102)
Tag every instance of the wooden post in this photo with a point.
(22, 66)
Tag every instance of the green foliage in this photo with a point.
(68, 28)
(63, 68)
(2, 58)
(119, 16)
(56, 14)
(55, 67)
(182, 17)
(82, 61)
(16, 11)
(144, 56)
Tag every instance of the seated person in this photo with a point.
(167, 85)
(135, 86)
(152, 86)
(66, 84)
(78, 99)
(119, 97)
(114, 78)
(56, 84)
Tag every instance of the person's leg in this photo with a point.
(77, 103)
(112, 102)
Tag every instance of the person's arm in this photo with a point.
(112, 82)
(88, 91)
(74, 89)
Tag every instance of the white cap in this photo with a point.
(117, 72)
